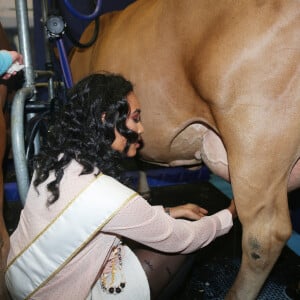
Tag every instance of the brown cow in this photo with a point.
(210, 76)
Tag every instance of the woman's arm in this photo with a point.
(151, 226)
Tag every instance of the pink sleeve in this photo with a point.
(151, 226)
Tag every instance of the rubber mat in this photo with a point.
(210, 279)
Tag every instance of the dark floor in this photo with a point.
(215, 266)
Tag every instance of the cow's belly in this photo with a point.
(214, 155)
(196, 144)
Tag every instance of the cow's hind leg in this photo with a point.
(253, 218)
(259, 165)
(266, 227)
(259, 183)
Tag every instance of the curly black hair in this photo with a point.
(84, 130)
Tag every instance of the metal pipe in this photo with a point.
(40, 73)
(18, 143)
(44, 13)
(24, 39)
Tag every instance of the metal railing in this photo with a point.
(25, 102)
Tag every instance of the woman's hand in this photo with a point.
(188, 211)
(16, 58)
(232, 209)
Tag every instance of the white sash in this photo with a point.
(82, 219)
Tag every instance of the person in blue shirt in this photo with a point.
(7, 58)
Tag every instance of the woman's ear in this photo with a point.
(103, 117)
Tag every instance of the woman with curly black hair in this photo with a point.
(68, 243)
(84, 131)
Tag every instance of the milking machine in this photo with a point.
(33, 103)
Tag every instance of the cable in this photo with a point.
(77, 14)
(87, 44)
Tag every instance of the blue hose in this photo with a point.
(90, 17)
(61, 49)
(64, 63)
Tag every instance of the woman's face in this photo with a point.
(134, 123)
